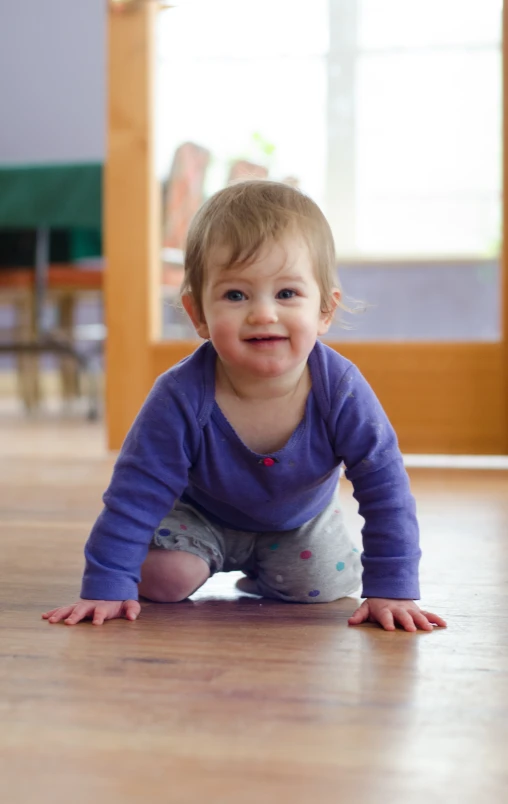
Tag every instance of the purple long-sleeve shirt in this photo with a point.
(181, 446)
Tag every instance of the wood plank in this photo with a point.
(504, 252)
(132, 203)
(227, 698)
(440, 397)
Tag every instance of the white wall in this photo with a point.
(52, 80)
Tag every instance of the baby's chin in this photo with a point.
(259, 369)
(273, 370)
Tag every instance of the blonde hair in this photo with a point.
(246, 215)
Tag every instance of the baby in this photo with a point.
(233, 462)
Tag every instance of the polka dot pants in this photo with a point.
(315, 563)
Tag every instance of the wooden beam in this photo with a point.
(440, 397)
(131, 210)
(504, 252)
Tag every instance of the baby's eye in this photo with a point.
(234, 295)
(287, 293)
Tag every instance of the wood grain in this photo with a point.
(229, 698)
(132, 244)
(504, 252)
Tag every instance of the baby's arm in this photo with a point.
(368, 445)
(150, 473)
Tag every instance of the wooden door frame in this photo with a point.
(445, 397)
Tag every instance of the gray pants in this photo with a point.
(315, 563)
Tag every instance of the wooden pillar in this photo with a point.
(131, 217)
(504, 251)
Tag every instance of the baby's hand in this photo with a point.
(95, 610)
(387, 612)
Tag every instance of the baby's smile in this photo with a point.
(254, 338)
(260, 341)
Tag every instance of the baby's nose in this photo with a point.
(262, 312)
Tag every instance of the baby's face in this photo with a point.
(263, 318)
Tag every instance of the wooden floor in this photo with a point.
(228, 698)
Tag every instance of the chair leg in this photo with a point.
(28, 379)
(69, 370)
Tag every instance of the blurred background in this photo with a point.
(387, 112)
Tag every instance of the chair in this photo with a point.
(40, 198)
(65, 286)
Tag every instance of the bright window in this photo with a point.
(387, 112)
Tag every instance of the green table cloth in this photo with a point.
(62, 196)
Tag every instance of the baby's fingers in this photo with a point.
(434, 618)
(385, 619)
(410, 620)
(421, 621)
(360, 615)
(78, 613)
(100, 614)
(56, 615)
(111, 609)
(131, 609)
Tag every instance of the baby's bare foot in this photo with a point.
(247, 585)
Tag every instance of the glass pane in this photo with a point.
(226, 28)
(428, 158)
(434, 301)
(412, 24)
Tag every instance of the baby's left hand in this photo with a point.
(387, 612)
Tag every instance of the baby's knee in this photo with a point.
(172, 576)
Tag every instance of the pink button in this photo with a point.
(268, 461)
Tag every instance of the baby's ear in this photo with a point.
(327, 318)
(195, 316)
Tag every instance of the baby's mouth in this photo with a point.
(265, 338)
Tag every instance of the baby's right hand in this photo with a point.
(95, 610)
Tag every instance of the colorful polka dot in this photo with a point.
(268, 461)
(164, 532)
(355, 550)
(305, 554)
(274, 547)
(314, 593)
(340, 565)
(183, 527)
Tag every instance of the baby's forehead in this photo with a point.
(278, 253)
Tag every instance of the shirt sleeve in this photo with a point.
(150, 474)
(366, 442)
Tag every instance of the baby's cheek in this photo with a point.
(224, 336)
(222, 331)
